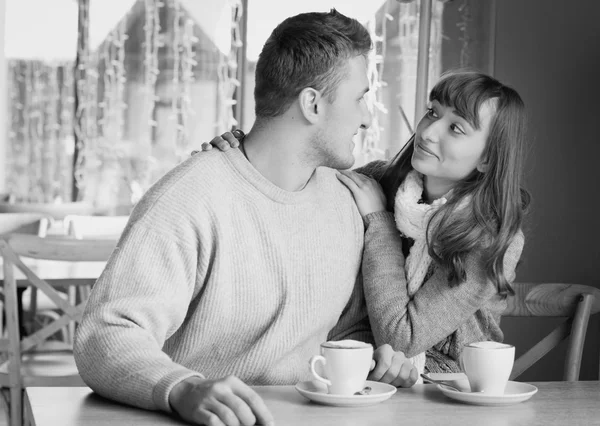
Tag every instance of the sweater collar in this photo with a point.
(239, 161)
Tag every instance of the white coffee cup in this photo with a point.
(346, 364)
(488, 366)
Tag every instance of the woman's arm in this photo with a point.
(437, 310)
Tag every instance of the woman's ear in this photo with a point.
(310, 104)
(482, 167)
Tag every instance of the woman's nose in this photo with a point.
(431, 130)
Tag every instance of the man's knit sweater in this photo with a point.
(439, 320)
(221, 272)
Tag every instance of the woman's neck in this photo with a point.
(434, 188)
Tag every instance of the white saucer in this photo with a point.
(317, 392)
(515, 392)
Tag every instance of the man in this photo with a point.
(236, 265)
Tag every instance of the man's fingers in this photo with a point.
(224, 413)
(239, 407)
(255, 402)
(208, 418)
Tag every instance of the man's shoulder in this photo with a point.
(197, 178)
(196, 172)
(374, 169)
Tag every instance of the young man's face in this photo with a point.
(343, 118)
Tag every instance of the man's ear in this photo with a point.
(310, 104)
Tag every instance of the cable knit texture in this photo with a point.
(221, 272)
(438, 319)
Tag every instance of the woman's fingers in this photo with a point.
(224, 142)
(350, 183)
(231, 139)
(358, 178)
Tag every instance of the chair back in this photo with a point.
(101, 227)
(44, 264)
(14, 248)
(574, 302)
(53, 210)
(24, 223)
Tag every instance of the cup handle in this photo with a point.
(313, 361)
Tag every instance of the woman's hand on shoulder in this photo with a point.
(225, 141)
(367, 192)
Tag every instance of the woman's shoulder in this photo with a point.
(374, 169)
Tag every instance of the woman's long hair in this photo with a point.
(494, 216)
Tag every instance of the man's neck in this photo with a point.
(275, 150)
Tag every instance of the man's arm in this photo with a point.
(141, 300)
(138, 302)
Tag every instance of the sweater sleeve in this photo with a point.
(414, 325)
(138, 302)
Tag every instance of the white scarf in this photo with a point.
(412, 219)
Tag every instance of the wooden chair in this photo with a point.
(24, 223)
(32, 360)
(54, 210)
(574, 302)
(34, 224)
(101, 227)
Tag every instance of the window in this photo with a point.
(116, 92)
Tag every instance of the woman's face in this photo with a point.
(448, 148)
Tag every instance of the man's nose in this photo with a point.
(367, 119)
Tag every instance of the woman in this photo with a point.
(454, 194)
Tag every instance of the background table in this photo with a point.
(556, 403)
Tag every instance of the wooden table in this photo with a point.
(556, 403)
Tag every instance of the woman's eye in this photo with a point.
(457, 129)
(431, 113)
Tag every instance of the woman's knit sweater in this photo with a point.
(439, 319)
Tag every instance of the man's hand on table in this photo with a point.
(393, 368)
(227, 401)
